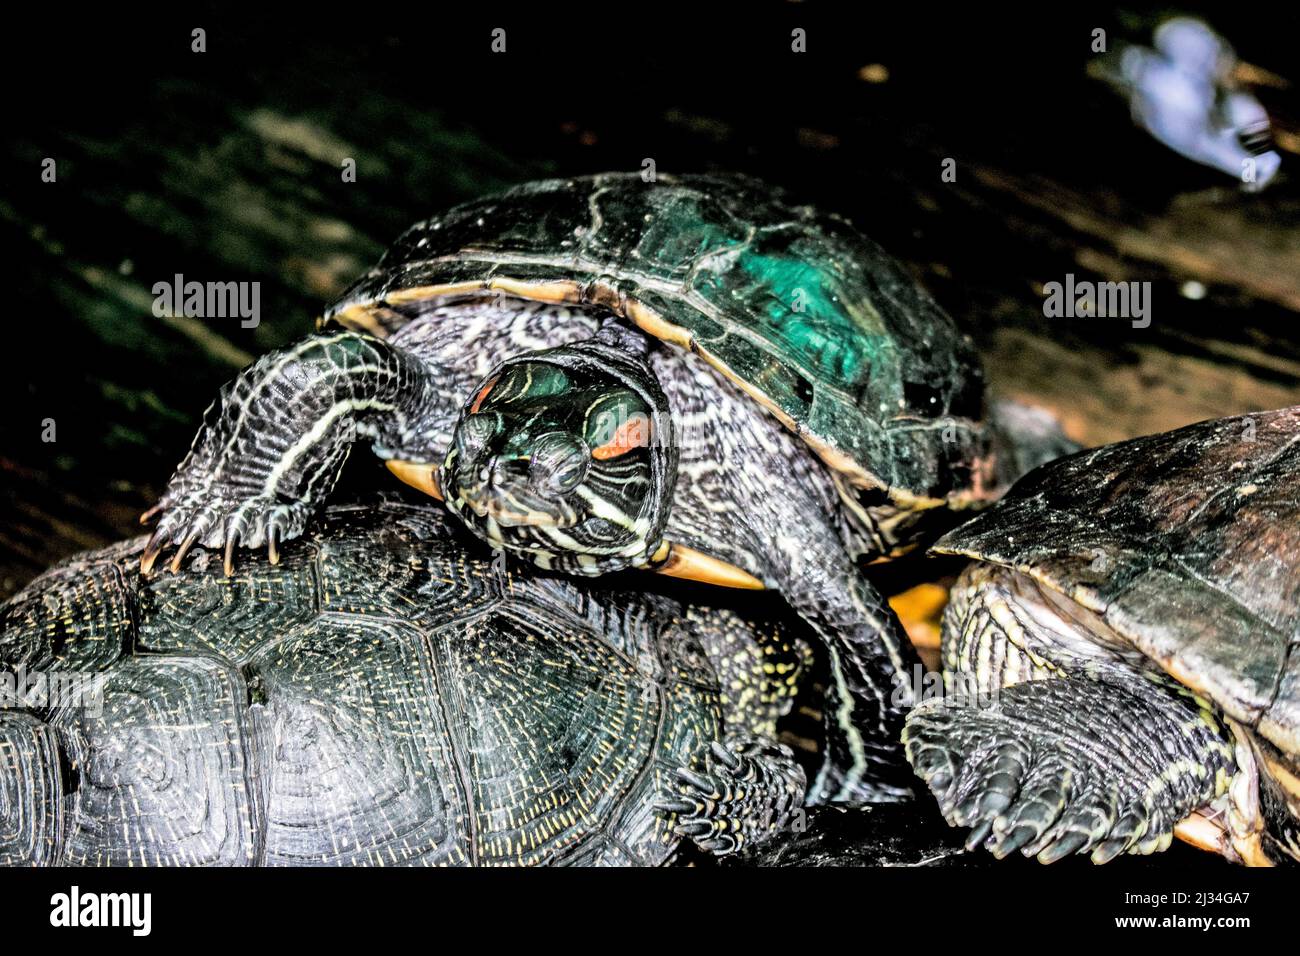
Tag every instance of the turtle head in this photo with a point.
(564, 457)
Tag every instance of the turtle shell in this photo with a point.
(797, 308)
(1187, 544)
(383, 696)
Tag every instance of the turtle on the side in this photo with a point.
(1122, 663)
(383, 696)
(600, 373)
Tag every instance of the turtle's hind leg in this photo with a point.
(736, 793)
(748, 788)
(760, 668)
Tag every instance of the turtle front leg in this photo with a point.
(272, 444)
(869, 688)
(737, 793)
(790, 535)
(1071, 765)
(1044, 744)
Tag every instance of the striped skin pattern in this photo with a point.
(385, 696)
(1053, 738)
(794, 533)
(567, 456)
(747, 490)
(273, 442)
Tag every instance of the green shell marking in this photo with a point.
(803, 312)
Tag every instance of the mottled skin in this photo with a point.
(793, 403)
(386, 696)
(1125, 653)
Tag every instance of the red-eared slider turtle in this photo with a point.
(383, 696)
(600, 373)
(1124, 659)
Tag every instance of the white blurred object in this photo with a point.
(1194, 48)
(1182, 93)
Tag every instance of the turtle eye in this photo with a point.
(475, 432)
(558, 463)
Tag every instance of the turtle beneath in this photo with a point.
(383, 696)
(600, 373)
(1122, 663)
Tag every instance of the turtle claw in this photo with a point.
(1109, 850)
(737, 795)
(180, 552)
(228, 556)
(252, 523)
(724, 755)
(157, 541)
(692, 779)
(696, 828)
(1002, 846)
(675, 806)
(1060, 849)
(150, 515)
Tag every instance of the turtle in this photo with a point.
(1121, 662)
(385, 695)
(686, 375)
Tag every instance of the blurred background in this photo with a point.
(227, 166)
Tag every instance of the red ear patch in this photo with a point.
(483, 394)
(633, 433)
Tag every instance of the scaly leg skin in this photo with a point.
(1071, 765)
(867, 694)
(868, 654)
(273, 442)
(868, 657)
(760, 668)
(271, 446)
(743, 791)
(740, 792)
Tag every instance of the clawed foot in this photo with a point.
(213, 520)
(1044, 797)
(742, 793)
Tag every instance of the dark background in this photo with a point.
(225, 166)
